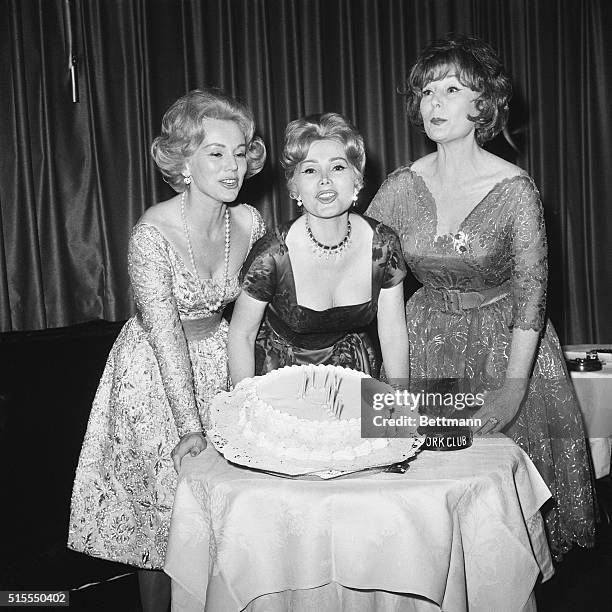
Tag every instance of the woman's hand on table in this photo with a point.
(192, 444)
(500, 407)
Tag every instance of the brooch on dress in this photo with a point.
(460, 242)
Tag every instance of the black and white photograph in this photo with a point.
(305, 305)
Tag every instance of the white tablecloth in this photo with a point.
(594, 391)
(460, 529)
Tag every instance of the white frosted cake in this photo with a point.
(310, 413)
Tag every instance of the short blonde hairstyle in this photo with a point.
(183, 132)
(301, 133)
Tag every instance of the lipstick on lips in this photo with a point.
(437, 120)
(230, 183)
(327, 196)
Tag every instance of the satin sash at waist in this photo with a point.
(310, 341)
(287, 347)
(198, 329)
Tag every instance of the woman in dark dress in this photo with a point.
(472, 231)
(320, 280)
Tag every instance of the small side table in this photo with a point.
(594, 391)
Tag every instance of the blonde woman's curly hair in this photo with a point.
(183, 131)
(301, 133)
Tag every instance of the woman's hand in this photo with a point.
(500, 407)
(192, 443)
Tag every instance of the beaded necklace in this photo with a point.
(210, 307)
(325, 250)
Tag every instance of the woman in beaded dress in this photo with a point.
(472, 231)
(319, 281)
(151, 407)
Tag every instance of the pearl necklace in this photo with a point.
(210, 307)
(325, 250)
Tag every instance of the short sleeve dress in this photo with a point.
(293, 334)
(167, 363)
(500, 252)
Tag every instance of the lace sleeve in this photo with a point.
(529, 252)
(151, 280)
(379, 208)
(259, 270)
(259, 225)
(390, 202)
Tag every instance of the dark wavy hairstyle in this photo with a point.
(301, 133)
(183, 131)
(477, 66)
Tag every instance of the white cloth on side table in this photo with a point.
(594, 392)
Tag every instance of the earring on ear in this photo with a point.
(299, 201)
(355, 197)
(187, 179)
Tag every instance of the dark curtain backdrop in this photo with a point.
(75, 177)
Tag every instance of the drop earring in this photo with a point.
(355, 198)
(187, 179)
(299, 201)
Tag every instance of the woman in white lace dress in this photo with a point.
(151, 407)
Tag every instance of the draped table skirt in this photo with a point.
(460, 530)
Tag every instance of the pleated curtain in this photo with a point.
(76, 176)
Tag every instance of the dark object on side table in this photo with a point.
(590, 363)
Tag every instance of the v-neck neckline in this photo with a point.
(183, 263)
(434, 204)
